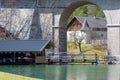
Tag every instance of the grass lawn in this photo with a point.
(71, 48)
(86, 48)
(8, 76)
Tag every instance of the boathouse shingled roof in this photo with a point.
(23, 45)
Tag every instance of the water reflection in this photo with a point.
(77, 72)
(90, 72)
(114, 72)
(56, 72)
(66, 72)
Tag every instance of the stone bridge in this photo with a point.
(59, 12)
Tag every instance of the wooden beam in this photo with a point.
(14, 56)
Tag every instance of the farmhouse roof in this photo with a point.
(89, 22)
(85, 25)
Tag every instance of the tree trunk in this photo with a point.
(75, 45)
(80, 47)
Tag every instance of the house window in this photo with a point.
(99, 29)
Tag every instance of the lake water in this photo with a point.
(65, 72)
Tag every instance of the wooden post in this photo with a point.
(14, 57)
(35, 56)
(97, 58)
(83, 56)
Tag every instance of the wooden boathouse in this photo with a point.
(23, 51)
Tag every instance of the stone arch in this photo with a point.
(70, 9)
(62, 29)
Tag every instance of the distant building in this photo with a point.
(91, 28)
(23, 51)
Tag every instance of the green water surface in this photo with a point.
(65, 72)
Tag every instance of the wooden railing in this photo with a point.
(75, 58)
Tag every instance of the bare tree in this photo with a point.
(73, 37)
(15, 20)
(77, 36)
(7, 16)
(79, 41)
(46, 19)
(20, 26)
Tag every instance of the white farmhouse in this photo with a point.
(91, 28)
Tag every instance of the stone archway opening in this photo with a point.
(64, 22)
(69, 10)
